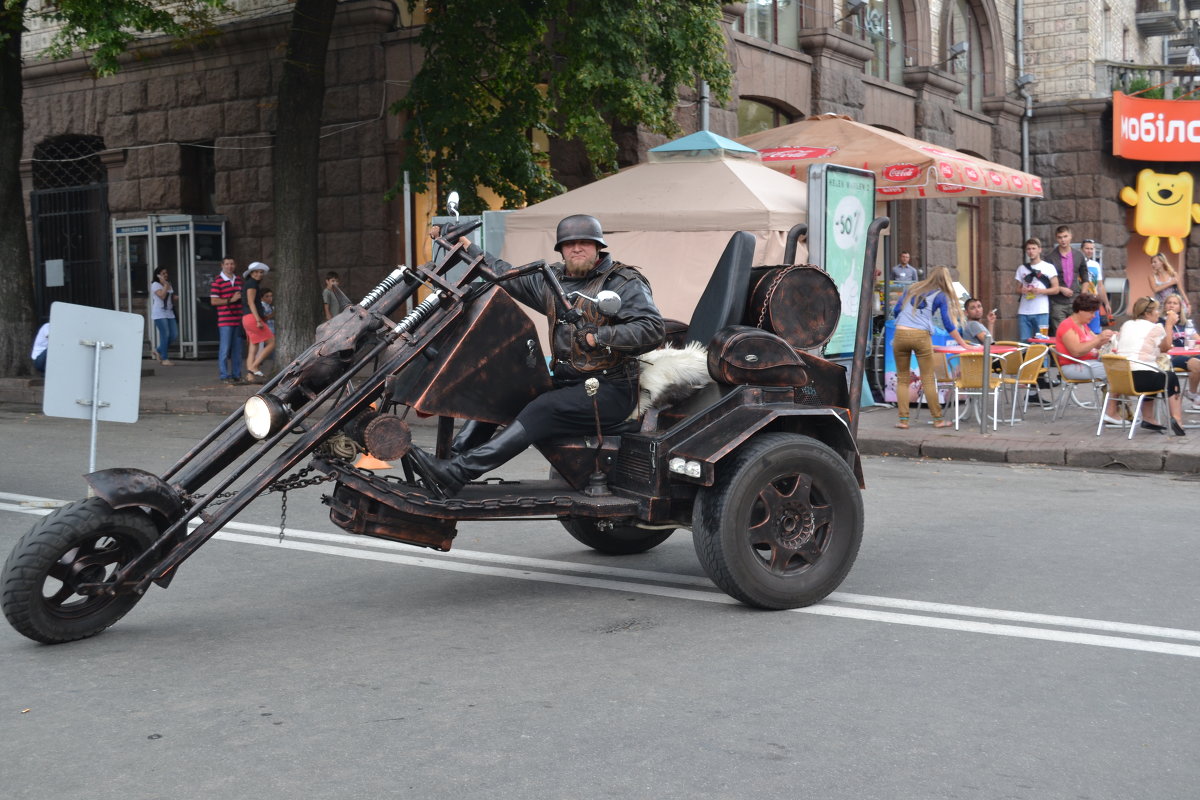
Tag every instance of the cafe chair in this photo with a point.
(1019, 374)
(969, 383)
(1119, 372)
(1067, 395)
(943, 378)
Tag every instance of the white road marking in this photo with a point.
(537, 569)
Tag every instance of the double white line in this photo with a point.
(969, 619)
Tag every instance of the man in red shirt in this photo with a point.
(226, 298)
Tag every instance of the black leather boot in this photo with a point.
(472, 434)
(452, 475)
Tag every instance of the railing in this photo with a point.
(1146, 80)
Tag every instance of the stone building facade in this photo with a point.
(189, 130)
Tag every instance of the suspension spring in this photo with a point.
(384, 285)
(418, 314)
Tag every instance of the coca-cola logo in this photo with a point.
(900, 172)
(946, 170)
(971, 173)
(890, 190)
(1016, 181)
(950, 188)
(1036, 184)
(796, 153)
(996, 178)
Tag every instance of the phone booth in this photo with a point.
(191, 247)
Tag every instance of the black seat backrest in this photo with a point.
(724, 300)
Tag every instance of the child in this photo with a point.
(333, 298)
(268, 306)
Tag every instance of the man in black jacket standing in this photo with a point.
(604, 348)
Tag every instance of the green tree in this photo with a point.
(575, 70)
(103, 29)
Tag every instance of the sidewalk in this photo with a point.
(192, 387)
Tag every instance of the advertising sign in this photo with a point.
(1155, 130)
(841, 204)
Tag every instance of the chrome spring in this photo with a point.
(384, 285)
(418, 314)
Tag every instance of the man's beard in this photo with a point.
(581, 266)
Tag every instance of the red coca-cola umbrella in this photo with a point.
(904, 167)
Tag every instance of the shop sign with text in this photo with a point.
(1156, 130)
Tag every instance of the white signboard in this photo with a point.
(77, 333)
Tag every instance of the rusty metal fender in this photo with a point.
(123, 487)
(726, 434)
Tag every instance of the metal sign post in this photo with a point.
(93, 367)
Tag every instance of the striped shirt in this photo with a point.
(230, 313)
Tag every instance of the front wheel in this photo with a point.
(782, 525)
(84, 542)
(615, 540)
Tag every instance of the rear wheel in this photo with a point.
(84, 542)
(782, 525)
(617, 540)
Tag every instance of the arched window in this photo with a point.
(884, 23)
(754, 116)
(963, 27)
(775, 21)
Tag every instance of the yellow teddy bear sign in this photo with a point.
(1164, 208)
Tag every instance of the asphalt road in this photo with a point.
(1007, 632)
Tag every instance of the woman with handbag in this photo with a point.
(914, 315)
(1143, 339)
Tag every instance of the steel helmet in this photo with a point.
(579, 226)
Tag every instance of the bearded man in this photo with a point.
(605, 348)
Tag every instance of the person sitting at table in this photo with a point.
(914, 336)
(1074, 338)
(973, 328)
(1142, 339)
(1174, 305)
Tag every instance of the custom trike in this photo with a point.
(756, 456)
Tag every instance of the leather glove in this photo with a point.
(581, 337)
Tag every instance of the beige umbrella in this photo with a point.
(904, 167)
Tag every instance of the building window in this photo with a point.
(754, 116)
(884, 29)
(774, 21)
(198, 170)
(963, 26)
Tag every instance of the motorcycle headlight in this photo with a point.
(265, 415)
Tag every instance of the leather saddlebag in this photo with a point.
(740, 355)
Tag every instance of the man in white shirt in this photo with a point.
(1036, 281)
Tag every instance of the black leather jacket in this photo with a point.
(637, 328)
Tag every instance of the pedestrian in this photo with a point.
(162, 311)
(254, 321)
(1164, 282)
(1068, 262)
(333, 297)
(226, 296)
(904, 272)
(1036, 281)
(1095, 285)
(914, 315)
(41, 345)
(268, 307)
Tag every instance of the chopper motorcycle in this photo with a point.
(759, 461)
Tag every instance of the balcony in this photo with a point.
(1158, 17)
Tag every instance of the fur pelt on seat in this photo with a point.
(671, 375)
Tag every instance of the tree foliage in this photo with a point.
(103, 29)
(496, 72)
